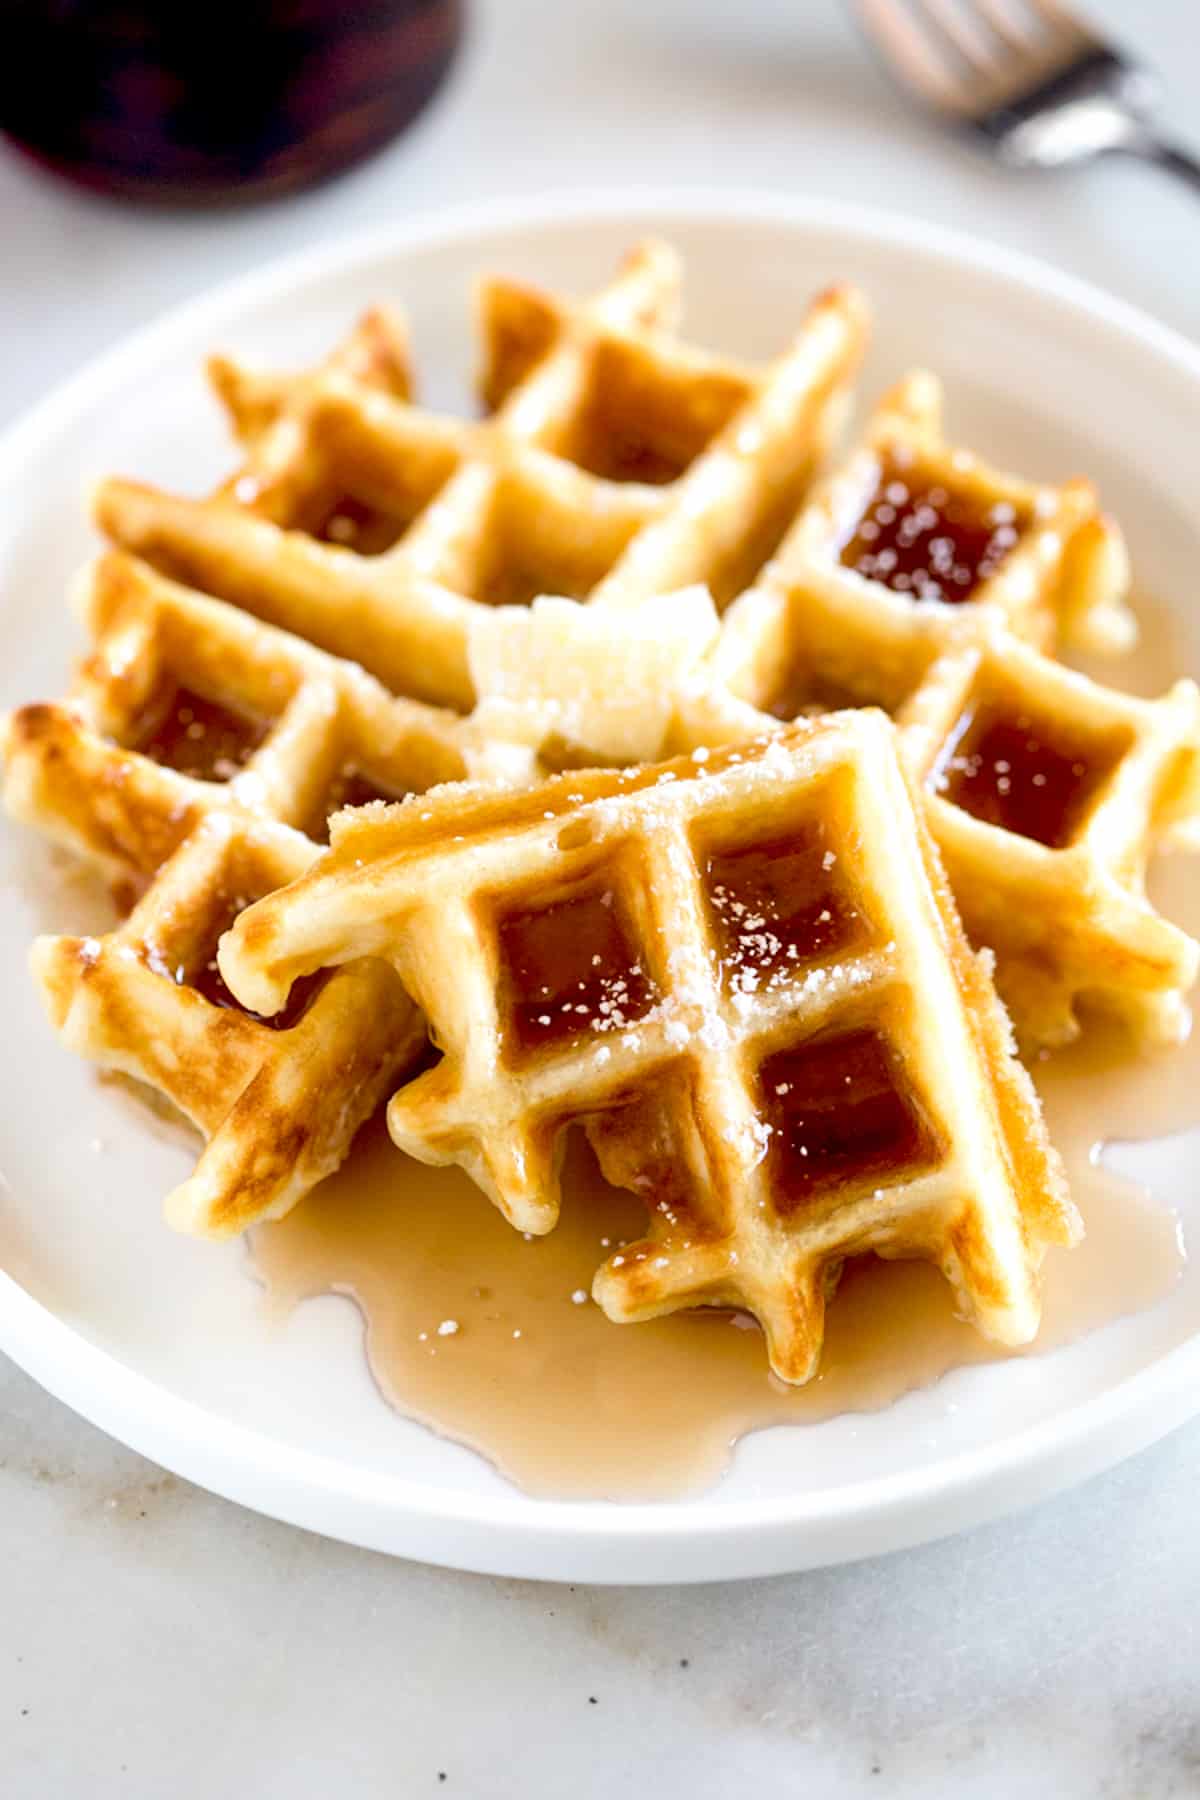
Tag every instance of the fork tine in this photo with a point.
(1010, 21)
(965, 33)
(915, 56)
(1070, 34)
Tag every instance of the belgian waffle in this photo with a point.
(743, 972)
(616, 463)
(196, 761)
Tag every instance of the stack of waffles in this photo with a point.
(622, 759)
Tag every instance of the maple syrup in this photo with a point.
(195, 106)
(919, 536)
(491, 1339)
(198, 737)
(1025, 775)
(629, 431)
(535, 1378)
(569, 969)
(353, 525)
(603, 447)
(840, 1115)
(779, 904)
(206, 978)
(567, 1405)
(202, 971)
(806, 691)
(623, 456)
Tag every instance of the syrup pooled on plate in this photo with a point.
(491, 1338)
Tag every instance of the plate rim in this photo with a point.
(513, 1534)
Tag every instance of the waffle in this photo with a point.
(196, 762)
(825, 625)
(616, 463)
(742, 971)
(812, 633)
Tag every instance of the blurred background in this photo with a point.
(780, 94)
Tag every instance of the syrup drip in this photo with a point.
(568, 1405)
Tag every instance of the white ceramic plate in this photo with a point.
(161, 1341)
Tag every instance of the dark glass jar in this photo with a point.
(204, 101)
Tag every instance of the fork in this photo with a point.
(1036, 83)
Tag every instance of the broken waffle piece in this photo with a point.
(743, 973)
(279, 1098)
(196, 760)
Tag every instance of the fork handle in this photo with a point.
(1147, 146)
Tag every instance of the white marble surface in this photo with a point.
(154, 1639)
